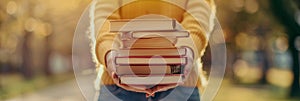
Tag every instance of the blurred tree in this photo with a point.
(43, 15)
(285, 12)
(47, 57)
(27, 56)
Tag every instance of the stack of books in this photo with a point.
(148, 55)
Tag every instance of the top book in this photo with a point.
(128, 25)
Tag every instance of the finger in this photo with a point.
(110, 61)
(134, 88)
(188, 68)
(163, 88)
(137, 87)
(141, 89)
(111, 54)
(149, 95)
(190, 52)
(114, 75)
(111, 66)
(131, 88)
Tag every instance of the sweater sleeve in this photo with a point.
(197, 20)
(105, 10)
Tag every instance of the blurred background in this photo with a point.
(262, 39)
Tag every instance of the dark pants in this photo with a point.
(180, 93)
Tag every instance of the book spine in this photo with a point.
(160, 61)
(153, 34)
(146, 70)
(151, 80)
(129, 39)
(169, 52)
(133, 43)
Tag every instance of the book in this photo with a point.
(149, 43)
(147, 70)
(151, 60)
(153, 34)
(128, 25)
(151, 80)
(139, 52)
(148, 55)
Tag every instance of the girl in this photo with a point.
(194, 15)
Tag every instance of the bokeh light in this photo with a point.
(251, 6)
(12, 7)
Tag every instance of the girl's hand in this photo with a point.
(111, 68)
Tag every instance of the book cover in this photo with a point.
(151, 60)
(129, 25)
(147, 70)
(140, 52)
(153, 34)
(149, 43)
(151, 80)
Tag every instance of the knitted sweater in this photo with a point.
(194, 15)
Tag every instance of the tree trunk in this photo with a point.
(26, 57)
